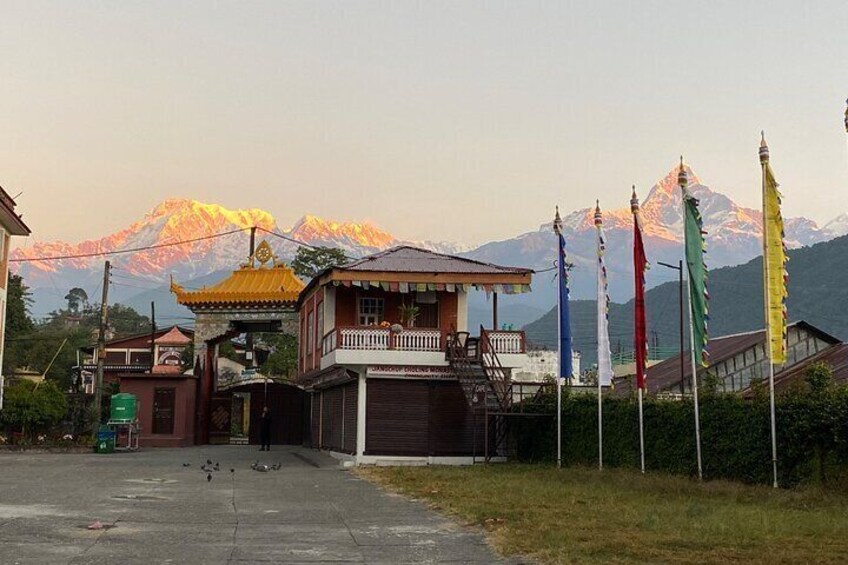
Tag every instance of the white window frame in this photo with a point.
(376, 307)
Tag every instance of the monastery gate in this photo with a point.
(260, 296)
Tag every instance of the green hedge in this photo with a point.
(812, 434)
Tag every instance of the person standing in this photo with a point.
(265, 429)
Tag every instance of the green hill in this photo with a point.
(818, 293)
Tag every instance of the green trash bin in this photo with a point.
(105, 441)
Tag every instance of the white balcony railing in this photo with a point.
(418, 340)
(504, 342)
(383, 339)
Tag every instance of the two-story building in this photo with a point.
(10, 224)
(392, 369)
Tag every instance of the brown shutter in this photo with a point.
(397, 414)
(351, 397)
(452, 422)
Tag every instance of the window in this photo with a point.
(370, 311)
(320, 322)
(310, 333)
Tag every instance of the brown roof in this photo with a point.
(836, 357)
(10, 219)
(173, 337)
(666, 375)
(407, 259)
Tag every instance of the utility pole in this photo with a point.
(248, 338)
(679, 269)
(101, 348)
(152, 335)
(682, 363)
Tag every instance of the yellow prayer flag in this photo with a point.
(775, 273)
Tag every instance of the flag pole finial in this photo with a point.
(634, 201)
(846, 115)
(764, 150)
(682, 177)
(599, 219)
(557, 222)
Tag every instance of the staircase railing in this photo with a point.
(495, 372)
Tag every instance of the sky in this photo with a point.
(460, 121)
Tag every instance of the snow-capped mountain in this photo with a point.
(734, 236)
(838, 226)
(181, 219)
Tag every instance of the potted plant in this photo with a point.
(408, 314)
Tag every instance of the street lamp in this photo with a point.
(679, 269)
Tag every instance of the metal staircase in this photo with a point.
(486, 384)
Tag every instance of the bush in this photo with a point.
(812, 434)
(32, 408)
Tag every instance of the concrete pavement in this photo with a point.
(157, 511)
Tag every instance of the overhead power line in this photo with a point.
(124, 251)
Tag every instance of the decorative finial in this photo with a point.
(599, 219)
(682, 177)
(634, 201)
(557, 222)
(764, 152)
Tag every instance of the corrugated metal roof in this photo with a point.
(836, 357)
(407, 259)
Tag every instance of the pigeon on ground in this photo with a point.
(208, 461)
(232, 470)
(261, 467)
(186, 464)
(216, 467)
(208, 477)
(276, 467)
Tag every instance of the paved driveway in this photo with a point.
(158, 511)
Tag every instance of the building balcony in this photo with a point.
(367, 345)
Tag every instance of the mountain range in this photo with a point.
(733, 237)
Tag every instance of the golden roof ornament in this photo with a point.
(264, 255)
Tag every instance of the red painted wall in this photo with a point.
(346, 313)
(142, 386)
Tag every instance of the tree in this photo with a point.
(310, 261)
(33, 408)
(283, 358)
(76, 297)
(18, 323)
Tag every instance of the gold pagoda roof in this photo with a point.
(251, 284)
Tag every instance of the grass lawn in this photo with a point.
(583, 515)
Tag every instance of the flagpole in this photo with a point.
(639, 271)
(557, 228)
(601, 295)
(683, 181)
(764, 156)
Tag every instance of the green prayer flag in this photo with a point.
(696, 248)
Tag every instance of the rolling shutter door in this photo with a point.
(397, 417)
(351, 397)
(452, 422)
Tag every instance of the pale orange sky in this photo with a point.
(462, 121)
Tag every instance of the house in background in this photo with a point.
(739, 361)
(10, 224)
(134, 355)
(393, 372)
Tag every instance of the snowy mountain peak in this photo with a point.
(838, 226)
